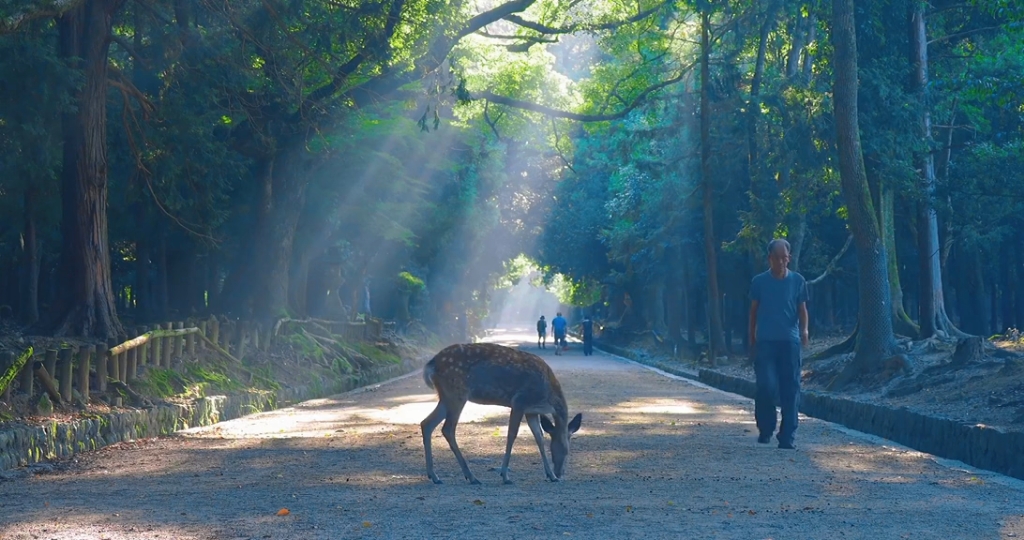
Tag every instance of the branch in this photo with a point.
(832, 264)
(544, 29)
(579, 117)
(492, 123)
(43, 10)
(965, 33)
(390, 80)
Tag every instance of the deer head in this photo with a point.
(561, 433)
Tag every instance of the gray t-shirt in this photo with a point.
(778, 300)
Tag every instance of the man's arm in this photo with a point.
(805, 337)
(752, 327)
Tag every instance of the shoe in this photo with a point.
(764, 439)
(787, 446)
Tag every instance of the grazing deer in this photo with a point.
(491, 374)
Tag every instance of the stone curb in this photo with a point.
(974, 444)
(22, 445)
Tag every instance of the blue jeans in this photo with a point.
(777, 367)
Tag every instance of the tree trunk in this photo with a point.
(716, 341)
(86, 306)
(757, 190)
(933, 317)
(287, 200)
(161, 290)
(974, 300)
(875, 340)
(30, 298)
(902, 324)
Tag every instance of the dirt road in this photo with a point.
(656, 458)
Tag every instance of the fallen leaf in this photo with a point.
(671, 503)
(629, 508)
(367, 524)
(478, 502)
(590, 515)
(729, 515)
(283, 512)
(751, 512)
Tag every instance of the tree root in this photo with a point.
(844, 347)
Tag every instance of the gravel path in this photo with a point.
(656, 458)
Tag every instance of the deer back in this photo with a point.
(492, 374)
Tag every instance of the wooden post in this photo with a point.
(122, 366)
(226, 332)
(102, 362)
(179, 342)
(84, 355)
(190, 344)
(112, 363)
(168, 347)
(243, 329)
(50, 361)
(6, 359)
(133, 364)
(144, 348)
(214, 331)
(27, 378)
(202, 330)
(39, 369)
(158, 350)
(64, 373)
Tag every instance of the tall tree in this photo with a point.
(86, 303)
(875, 340)
(716, 339)
(933, 317)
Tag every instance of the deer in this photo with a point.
(492, 374)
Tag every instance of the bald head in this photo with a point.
(778, 245)
(778, 257)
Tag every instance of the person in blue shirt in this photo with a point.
(778, 328)
(558, 326)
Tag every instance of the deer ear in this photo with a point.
(574, 425)
(546, 424)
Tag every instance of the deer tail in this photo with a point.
(428, 373)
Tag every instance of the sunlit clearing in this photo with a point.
(525, 303)
(289, 423)
(144, 527)
(660, 406)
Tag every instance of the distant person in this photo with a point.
(588, 336)
(542, 333)
(558, 326)
(778, 327)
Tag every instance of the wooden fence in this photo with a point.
(65, 374)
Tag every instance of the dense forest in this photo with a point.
(413, 158)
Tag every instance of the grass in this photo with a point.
(371, 351)
(197, 381)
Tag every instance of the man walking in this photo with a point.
(778, 328)
(542, 333)
(588, 336)
(558, 326)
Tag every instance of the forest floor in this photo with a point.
(987, 390)
(657, 457)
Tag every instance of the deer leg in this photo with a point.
(513, 430)
(533, 420)
(451, 421)
(427, 426)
